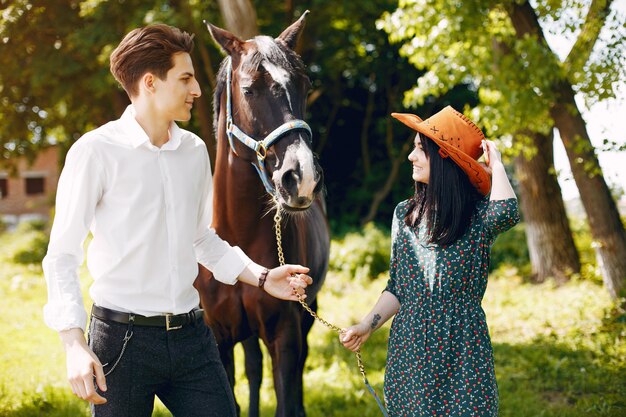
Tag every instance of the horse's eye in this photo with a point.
(247, 91)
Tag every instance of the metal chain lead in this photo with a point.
(281, 260)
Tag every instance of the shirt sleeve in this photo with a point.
(393, 262)
(79, 190)
(499, 216)
(224, 261)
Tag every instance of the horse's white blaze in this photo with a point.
(307, 167)
(281, 76)
(267, 46)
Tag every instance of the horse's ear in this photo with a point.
(292, 33)
(229, 42)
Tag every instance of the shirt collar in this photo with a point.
(137, 136)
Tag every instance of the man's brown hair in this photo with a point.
(147, 49)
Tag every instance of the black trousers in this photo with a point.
(182, 367)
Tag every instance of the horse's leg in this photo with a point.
(254, 372)
(285, 348)
(307, 323)
(227, 355)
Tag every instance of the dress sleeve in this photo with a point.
(393, 262)
(499, 216)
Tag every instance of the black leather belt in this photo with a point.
(167, 321)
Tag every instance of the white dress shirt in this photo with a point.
(149, 210)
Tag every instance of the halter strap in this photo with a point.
(260, 147)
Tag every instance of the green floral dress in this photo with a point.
(440, 359)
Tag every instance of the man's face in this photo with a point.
(175, 95)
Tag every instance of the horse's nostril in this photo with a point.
(302, 202)
(290, 180)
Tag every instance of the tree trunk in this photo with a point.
(204, 106)
(205, 76)
(332, 115)
(589, 33)
(120, 101)
(204, 112)
(550, 243)
(381, 194)
(367, 119)
(289, 9)
(239, 18)
(397, 158)
(604, 221)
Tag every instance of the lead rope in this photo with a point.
(281, 260)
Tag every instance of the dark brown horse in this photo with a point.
(262, 86)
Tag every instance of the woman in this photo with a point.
(440, 359)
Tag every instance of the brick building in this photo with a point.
(30, 193)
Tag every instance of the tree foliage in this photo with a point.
(360, 79)
(515, 77)
(54, 54)
(55, 84)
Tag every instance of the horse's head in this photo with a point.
(268, 89)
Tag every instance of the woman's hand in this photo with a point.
(492, 155)
(353, 337)
(386, 306)
(500, 186)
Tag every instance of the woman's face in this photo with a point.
(421, 164)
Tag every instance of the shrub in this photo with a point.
(511, 249)
(585, 245)
(31, 226)
(366, 253)
(363, 254)
(32, 250)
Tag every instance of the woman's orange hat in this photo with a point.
(458, 138)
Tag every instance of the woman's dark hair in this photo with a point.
(446, 203)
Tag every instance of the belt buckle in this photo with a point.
(169, 327)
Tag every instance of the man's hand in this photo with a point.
(286, 281)
(82, 365)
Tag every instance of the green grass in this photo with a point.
(559, 351)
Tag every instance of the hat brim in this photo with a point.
(477, 175)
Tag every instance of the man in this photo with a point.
(143, 186)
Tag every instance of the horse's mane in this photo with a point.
(267, 49)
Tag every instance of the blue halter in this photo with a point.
(260, 147)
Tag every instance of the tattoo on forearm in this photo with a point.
(375, 321)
